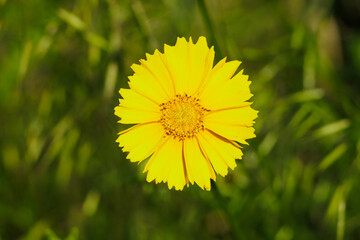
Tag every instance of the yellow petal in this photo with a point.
(145, 84)
(155, 66)
(218, 149)
(176, 167)
(200, 62)
(243, 115)
(131, 116)
(136, 140)
(218, 77)
(231, 93)
(210, 74)
(234, 132)
(166, 165)
(196, 165)
(133, 100)
(178, 64)
(219, 164)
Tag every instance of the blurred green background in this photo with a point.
(62, 176)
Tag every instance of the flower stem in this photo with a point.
(210, 29)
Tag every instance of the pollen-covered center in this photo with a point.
(182, 117)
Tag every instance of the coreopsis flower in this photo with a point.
(189, 115)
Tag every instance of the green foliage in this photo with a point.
(62, 176)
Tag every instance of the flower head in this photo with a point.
(190, 116)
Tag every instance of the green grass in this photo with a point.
(62, 176)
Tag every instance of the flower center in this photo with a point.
(182, 117)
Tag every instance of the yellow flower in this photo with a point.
(189, 115)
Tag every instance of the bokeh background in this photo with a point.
(62, 176)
